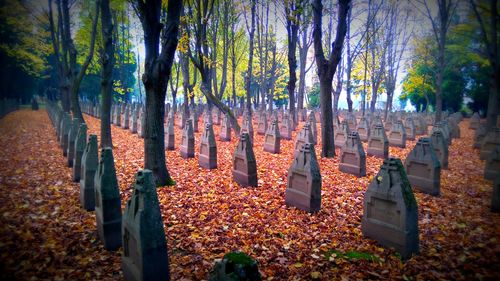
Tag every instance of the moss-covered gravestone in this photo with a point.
(397, 135)
(235, 266)
(390, 212)
(170, 134)
(352, 156)
(88, 170)
(225, 130)
(262, 126)
(378, 144)
(73, 132)
(423, 168)
(187, 143)
(363, 129)
(272, 138)
(145, 256)
(440, 147)
(107, 202)
(305, 136)
(208, 149)
(244, 164)
(303, 189)
(80, 142)
(340, 136)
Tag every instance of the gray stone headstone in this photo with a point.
(80, 143)
(363, 129)
(208, 150)
(73, 131)
(247, 126)
(286, 127)
(303, 189)
(145, 253)
(65, 127)
(107, 202)
(492, 164)
(440, 147)
(410, 129)
(272, 138)
(397, 135)
(423, 168)
(314, 127)
(244, 164)
(133, 120)
(340, 136)
(262, 126)
(126, 117)
(390, 211)
(304, 136)
(474, 121)
(352, 156)
(141, 129)
(490, 142)
(187, 143)
(378, 144)
(88, 170)
(170, 134)
(479, 135)
(225, 130)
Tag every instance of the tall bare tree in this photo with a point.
(293, 11)
(107, 59)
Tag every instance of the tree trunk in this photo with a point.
(292, 21)
(107, 63)
(250, 60)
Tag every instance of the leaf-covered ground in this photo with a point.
(44, 234)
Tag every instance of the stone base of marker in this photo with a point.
(208, 150)
(187, 143)
(492, 165)
(89, 168)
(390, 212)
(352, 157)
(272, 138)
(341, 134)
(244, 164)
(145, 256)
(303, 189)
(378, 144)
(235, 266)
(170, 134)
(423, 168)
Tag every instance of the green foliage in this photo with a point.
(314, 96)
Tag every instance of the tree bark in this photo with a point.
(292, 10)
(107, 62)
(250, 60)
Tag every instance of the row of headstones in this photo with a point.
(7, 106)
(140, 229)
(488, 144)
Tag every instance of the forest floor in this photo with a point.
(44, 234)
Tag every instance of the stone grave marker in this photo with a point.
(108, 202)
(303, 189)
(304, 136)
(492, 165)
(286, 127)
(352, 156)
(378, 144)
(423, 168)
(208, 149)
(133, 120)
(88, 170)
(225, 130)
(118, 115)
(244, 164)
(262, 126)
(65, 128)
(141, 130)
(247, 126)
(474, 121)
(410, 129)
(145, 255)
(73, 131)
(351, 122)
(390, 211)
(272, 138)
(490, 142)
(363, 129)
(187, 143)
(440, 147)
(194, 120)
(340, 136)
(126, 117)
(80, 143)
(479, 135)
(397, 135)
(314, 128)
(170, 134)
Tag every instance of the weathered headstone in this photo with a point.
(80, 143)
(378, 144)
(73, 131)
(440, 147)
(133, 120)
(170, 134)
(397, 135)
(65, 128)
(303, 189)
(363, 129)
(351, 122)
(141, 130)
(107, 202)
(340, 136)
(454, 128)
(495, 198)
(262, 126)
(390, 211)
(244, 164)
(479, 135)
(423, 168)
(272, 138)
(126, 117)
(145, 256)
(410, 128)
(286, 127)
(305, 136)
(352, 156)
(235, 266)
(194, 119)
(225, 130)
(88, 170)
(34, 104)
(303, 115)
(187, 143)
(492, 165)
(490, 142)
(118, 115)
(208, 149)
(247, 126)
(314, 127)
(474, 121)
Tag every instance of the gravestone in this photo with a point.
(378, 144)
(225, 130)
(125, 117)
(244, 165)
(286, 127)
(490, 142)
(118, 115)
(107, 202)
(479, 135)
(454, 128)
(440, 147)
(304, 136)
(341, 134)
(247, 126)
(262, 126)
(217, 116)
(235, 266)
(272, 138)
(80, 143)
(351, 122)
(65, 128)
(352, 156)
(34, 104)
(423, 168)
(208, 149)
(314, 127)
(440, 127)
(474, 121)
(363, 129)
(303, 189)
(170, 134)
(145, 253)
(303, 115)
(390, 211)
(187, 143)
(88, 170)
(133, 120)
(492, 164)
(73, 131)
(141, 131)
(410, 128)
(397, 135)
(495, 198)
